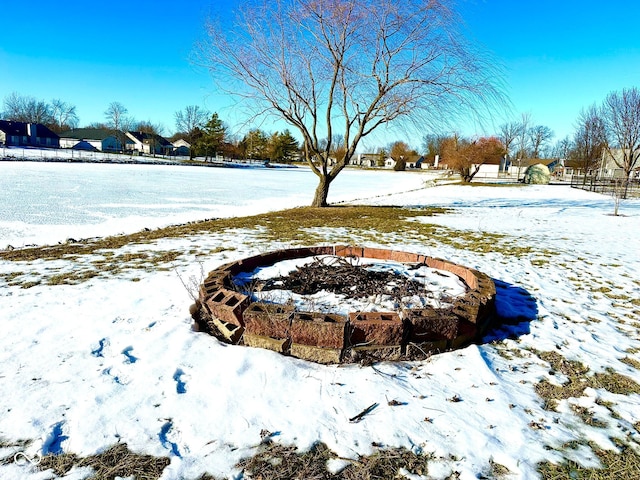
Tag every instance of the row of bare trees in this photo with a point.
(522, 139)
(611, 128)
(57, 114)
(346, 68)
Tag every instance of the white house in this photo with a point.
(612, 163)
(181, 147)
(99, 139)
(149, 143)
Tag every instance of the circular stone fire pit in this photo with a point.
(231, 311)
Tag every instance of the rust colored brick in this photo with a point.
(348, 251)
(431, 325)
(376, 328)
(405, 257)
(421, 350)
(321, 330)
(268, 320)
(467, 333)
(467, 308)
(227, 306)
(436, 263)
(377, 253)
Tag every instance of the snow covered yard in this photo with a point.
(98, 346)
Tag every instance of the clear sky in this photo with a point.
(558, 55)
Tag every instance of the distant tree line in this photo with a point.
(614, 124)
(600, 128)
(57, 114)
(204, 131)
(209, 136)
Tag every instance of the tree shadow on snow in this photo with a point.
(515, 309)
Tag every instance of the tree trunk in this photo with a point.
(322, 192)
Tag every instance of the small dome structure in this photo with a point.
(537, 174)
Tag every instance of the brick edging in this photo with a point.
(406, 334)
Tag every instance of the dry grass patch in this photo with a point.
(578, 379)
(305, 225)
(71, 278)
(632, 362)
(498, 470)
(622, 465)
(587, 416)
(117, 461)
(14, 446)
(275, 461)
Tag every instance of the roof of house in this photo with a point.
(533, 161)
(181, 142)
(84, 145)
(493, 161)
(88, 133)
(574, 163)
(144, 136)
(13, 128)
(20, 128)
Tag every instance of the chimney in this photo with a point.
(31, 132)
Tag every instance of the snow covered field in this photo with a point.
(51, 202)
(114, 358)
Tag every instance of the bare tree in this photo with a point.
(620, 113)
(400, 152)
(118, 121)
(14, 107)
(562, 148)
(508, 133)
(349, 66)
(21, 108)
(589, 140)
(539, 135)
(116, 115)
(64, 115)
(151, 135)
(432, 145)
(467, 157)
(190, 119)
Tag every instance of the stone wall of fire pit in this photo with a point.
(408, 334)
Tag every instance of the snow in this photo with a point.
(110, 360)
(436, 286)
(51, 202)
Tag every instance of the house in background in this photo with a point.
(368, 160)
(100, 139)
(181, 148)
(497, 168)
(150, 143)
(21, 134)
(612, 163)
(410, 162)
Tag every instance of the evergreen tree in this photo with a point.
(211, 138)
(256, 145)
(283, 147)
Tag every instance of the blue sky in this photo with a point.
(558, 56)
